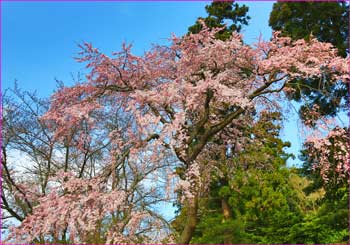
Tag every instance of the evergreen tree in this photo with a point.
(226, 14)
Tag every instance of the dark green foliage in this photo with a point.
(212, 230)
(327, 21)
(221, 13)
(264, 207)
(267, 209)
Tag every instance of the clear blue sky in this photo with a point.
(39, 39)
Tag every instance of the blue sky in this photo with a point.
(39, 39)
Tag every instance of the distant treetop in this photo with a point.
(220, 14)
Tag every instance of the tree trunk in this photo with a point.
(227, 213)
(191, 222)
(226, 210)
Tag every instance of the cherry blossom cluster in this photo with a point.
(191, 184)
(331, 154)
(78, 209)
